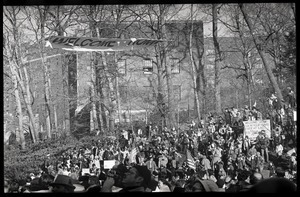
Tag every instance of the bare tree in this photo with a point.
(14, 56)
(218, 58)
(194, 69)
(260, 50)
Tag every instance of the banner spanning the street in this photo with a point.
(99, 44)
(252, 128)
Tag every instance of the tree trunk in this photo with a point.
(102, 108)
(47, 94)
(217, 60)
(28, 95)
(93, 94)
(262, 55)
(55, 120)
(27, 103)
(111, 97)
(65, 71)
(117, 88)
(163, 57)
(203, 83)
(93, 118)
(20, 114)
(15, 63)
(160, 95)
(47, 85)
(194, 70)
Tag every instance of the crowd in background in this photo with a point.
(219, 150)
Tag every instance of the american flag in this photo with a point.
(132, 155)
(190, 160)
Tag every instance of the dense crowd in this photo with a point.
(213, 155)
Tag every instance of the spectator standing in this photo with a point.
(62, 184)
(251, 154)
(262, 143)
(151, 165)
(291, 97)
(259, 162)
(246, 113)
(136, 179)
(256, 113)
(206, 163)
(94, 185)
(255, 177)
(227, 116)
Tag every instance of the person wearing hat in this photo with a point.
(198, 185)
(291, 97)
(151, 165)
(274, 185)
(259, 161)
(136, 179)
(246, 113)
(62, 184)
(251, 153)
(256, 113)
(94, 184)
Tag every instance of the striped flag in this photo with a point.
(132, 155)
(190, 160)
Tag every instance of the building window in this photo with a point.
(148, 67)
(210, 52)
(122, 67)
(175, 66)
(123, 91)
(211, 81)
(149, 94)
(177, 92)
(210, 66)
(259, 65)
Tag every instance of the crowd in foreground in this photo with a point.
(214, 156)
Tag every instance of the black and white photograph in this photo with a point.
(154, 98)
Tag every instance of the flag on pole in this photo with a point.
(190, 160)
(132, 155)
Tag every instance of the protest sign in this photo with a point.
(125, 134)
(265, 174)
(85, 171)
(108, 164)
(252, 128)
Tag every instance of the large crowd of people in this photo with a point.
(213, 155)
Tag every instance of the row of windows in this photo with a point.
(147, 92)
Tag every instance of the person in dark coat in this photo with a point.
(227, 116)
(274, 185)
(94, 185)
(262, 144)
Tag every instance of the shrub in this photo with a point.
(19, 163)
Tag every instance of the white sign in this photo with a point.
(125, 134)
(85, 171)
(295, 115)
(252, 128)
(108, 164)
